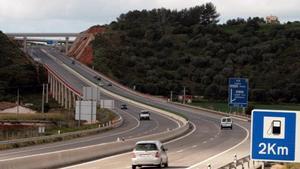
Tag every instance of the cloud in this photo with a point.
(77, 15)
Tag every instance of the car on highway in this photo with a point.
(226, 122)
(124, 106)
(109, 84)
(97, 77)
(149, 153)
(72, 61)
(144, 115)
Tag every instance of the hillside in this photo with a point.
(16, 71)
(162, 50)
(82, 48)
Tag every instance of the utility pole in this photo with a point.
(171, 96)
(43, 98)
(184, 95)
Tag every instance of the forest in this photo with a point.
(16, 71)
(163, 50)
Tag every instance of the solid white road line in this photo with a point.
(217, 155)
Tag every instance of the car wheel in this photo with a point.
(166, 164)
(160, 165)
(133, 166)
(231, 127)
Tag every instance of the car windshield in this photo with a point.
(145, 112)
(146, 147)
(226, 120)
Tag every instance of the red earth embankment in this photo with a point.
(82, 47)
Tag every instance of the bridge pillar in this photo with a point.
(67, 44)
(66, 97)
(59, 92)
(52, 85)
(69, 99)
(56, 89)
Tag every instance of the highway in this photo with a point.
(204, 144)
(131, 127)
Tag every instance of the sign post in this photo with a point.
(275, 135)
(238, 92)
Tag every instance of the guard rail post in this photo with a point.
(235, 160)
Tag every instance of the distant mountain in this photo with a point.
(162, 50)
(16, 70)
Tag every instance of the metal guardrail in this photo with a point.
(246, 117)
(242, 163)
(102, 127)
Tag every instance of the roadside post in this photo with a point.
(275, 136)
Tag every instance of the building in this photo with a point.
(272, 19)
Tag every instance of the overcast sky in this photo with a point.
(78, 15)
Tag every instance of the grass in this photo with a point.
(223, 106)
(37, 116)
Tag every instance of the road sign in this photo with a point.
(275, 135)
(50, 42)
(238, 92)
(85, 110)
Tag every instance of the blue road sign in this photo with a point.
(274, 136)
(238, 92)
(50, 42)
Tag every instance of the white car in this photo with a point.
(226, 122)
(144, 115)
(149, 153)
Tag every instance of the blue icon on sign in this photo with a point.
(273, 135)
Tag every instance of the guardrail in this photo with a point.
(242, 163)
(246, 118)
(33, 140)
(82, 154)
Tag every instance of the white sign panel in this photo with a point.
(108, 104)
(90, 93)
(86, 110)
(275, 135)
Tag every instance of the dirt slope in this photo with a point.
(82, 47)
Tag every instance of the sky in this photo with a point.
(78, 15)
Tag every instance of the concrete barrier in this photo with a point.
(68, 157)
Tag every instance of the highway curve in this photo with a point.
(205, 144)
(131, 127)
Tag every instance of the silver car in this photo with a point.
(226, 122)
(144, 115)
(149, 153)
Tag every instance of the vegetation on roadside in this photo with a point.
(163, 50)
(223, 106)
(62, 125)
(16, 71)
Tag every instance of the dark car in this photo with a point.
(97, 77)
(124, 107)
(109, 84)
